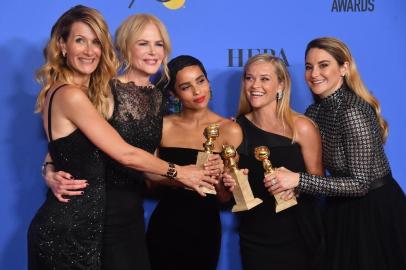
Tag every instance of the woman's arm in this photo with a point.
(61, 183)
(360, 134)
(76, 107)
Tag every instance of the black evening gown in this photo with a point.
(184, 231)
(137, 117)
(365, 217)
(69, 235)
(291, 239)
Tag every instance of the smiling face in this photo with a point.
(147, 51)
(323, 73)
(83, 51)
(261, 84)
(192, 87)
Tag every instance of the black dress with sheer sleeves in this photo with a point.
(184, 231)
(365, 217)
(137, 116)
(69, 235)
(291, 239)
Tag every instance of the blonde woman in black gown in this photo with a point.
(80, 62)
(293, 238)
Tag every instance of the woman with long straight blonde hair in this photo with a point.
(365, 218)
(75, 100)
(268, 239)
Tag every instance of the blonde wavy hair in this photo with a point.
(283, 109)
(55, 70)
(129, 32)
(341, 53)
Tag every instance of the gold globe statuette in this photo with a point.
(211, 132)
(262, 154)
(242, 192)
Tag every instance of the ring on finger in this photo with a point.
(274, 182)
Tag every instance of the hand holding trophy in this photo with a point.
(242, 192)
(210, 133)
(262, 154)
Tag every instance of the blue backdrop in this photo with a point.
(222, 34)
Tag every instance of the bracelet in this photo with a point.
(171, 173)
(44, 167)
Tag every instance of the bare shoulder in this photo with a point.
(230, 127)
(170, 120)
(304, 124)
(71, 93)
(230, 132)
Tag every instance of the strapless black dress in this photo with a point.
(184, 231)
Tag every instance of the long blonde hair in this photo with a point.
(56, 69)
(341, 53)
(128, 33)
(283, 109)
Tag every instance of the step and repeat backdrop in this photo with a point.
(223, 34)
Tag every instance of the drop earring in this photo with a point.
(279, 95)
(64, 54)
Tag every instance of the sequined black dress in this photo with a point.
(137, 116)
(365, 219)
(291, 239)
(184, 231)
(69, 235)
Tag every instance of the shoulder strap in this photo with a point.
(49, 111)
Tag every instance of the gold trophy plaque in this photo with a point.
(210, 133)
(242, 193)
(262, 154)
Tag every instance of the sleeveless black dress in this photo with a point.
(184, 231)
(69, 235)
(137, 116)
(290, 239)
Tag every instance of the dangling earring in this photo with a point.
(279, 96)
(64, 54)
(211, 95)
(175, 104)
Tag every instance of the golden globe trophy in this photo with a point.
(242, 193)
(210, 133)
(262, 154)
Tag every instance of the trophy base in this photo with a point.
(282, 204)
(246, 206)
(202, 158)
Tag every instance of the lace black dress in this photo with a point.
(137, 116)
(69, 235)
(184, 231)
(365, 219)
(290, 239)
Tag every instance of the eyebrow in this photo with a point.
(320, 62)
(144, 40)
(200, 77)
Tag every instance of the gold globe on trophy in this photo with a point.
(210, 133)
(242, 192)
(262, 154)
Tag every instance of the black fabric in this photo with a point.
(291, 239)
(137, 116)
(69, 235)
(365, 217)
(184, 231)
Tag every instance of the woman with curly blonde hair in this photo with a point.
(75, 101)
